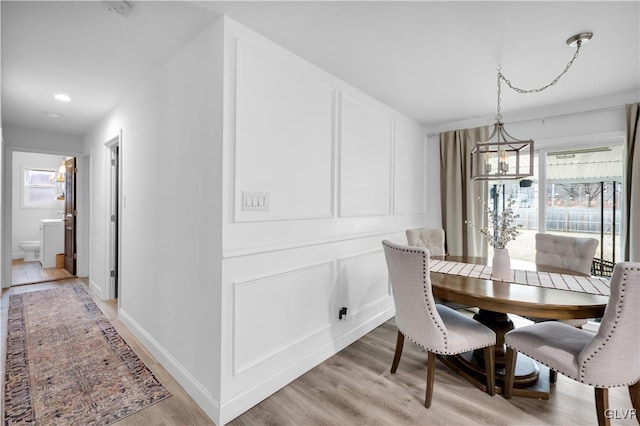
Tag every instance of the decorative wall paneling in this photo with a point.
(273, 313)
(330, 159)
(287, 297)
(363, 281)
(283, 308)
(284, 139)
(410, 168)
(325, 154)
(365, 159)
(286, 127)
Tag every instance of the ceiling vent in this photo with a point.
(120, 7)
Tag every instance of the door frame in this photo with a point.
(7, 207)
(113, 254)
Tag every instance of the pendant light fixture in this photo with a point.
(502, 156)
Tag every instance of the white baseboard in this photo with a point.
(224, 413)
(95, 288)
(231, 409)
(192, 386)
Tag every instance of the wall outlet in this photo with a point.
(256, 201)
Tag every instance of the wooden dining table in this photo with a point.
(495, 300)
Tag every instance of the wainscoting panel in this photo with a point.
(284, 141)
(322, 151)
(410, 168)
(365, 159)
(363, 281)
(276, 312)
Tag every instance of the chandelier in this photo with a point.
(502, 156)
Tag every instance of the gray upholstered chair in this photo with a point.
(436, 328)
(574, 254)
(432, 239)
(608, 359)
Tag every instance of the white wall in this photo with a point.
(26, 220)
(170, 155)
(236, 303)
(342, 172)
(26, 139)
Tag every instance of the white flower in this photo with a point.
(501, 226)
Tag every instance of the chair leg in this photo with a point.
(398, 354)
(602, 406)
(509, 372)
(634, 393)
(553, 376)
(431, 371)
(490, 366)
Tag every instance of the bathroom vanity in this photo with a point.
(51, 241)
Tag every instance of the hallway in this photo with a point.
(177, 410)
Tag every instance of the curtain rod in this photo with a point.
(567, 114)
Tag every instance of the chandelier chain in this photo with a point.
(540, 89)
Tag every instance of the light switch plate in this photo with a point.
(256, 201)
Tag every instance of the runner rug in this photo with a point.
(67, 365)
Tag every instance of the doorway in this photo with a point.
(114, 216)
(36, 203)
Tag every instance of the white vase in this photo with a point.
(501, 267)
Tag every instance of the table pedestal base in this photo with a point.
(532, 379)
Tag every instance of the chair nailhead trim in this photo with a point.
(426, 291)
(581, 372)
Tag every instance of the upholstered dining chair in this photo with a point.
(573, 254)
(436, 328)
(432, 239)
(608, 359)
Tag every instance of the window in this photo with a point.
(39, 189)
(581, 197)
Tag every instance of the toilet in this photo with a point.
(31, 250)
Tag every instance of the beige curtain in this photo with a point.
(631, 213)
(459, 194)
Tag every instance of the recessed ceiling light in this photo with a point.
(62, 97)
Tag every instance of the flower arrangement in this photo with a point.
(501, 228)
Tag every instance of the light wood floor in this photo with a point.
(33, 272)
(355, 387)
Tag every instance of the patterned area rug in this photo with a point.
(67, 365)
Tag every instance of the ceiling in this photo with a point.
(436, 62)
(585, 165)
(82, 49)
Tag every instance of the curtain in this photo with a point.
(459, 194)
(631, 213)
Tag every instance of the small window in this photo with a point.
(39, 188)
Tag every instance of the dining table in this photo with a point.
(494, 300)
